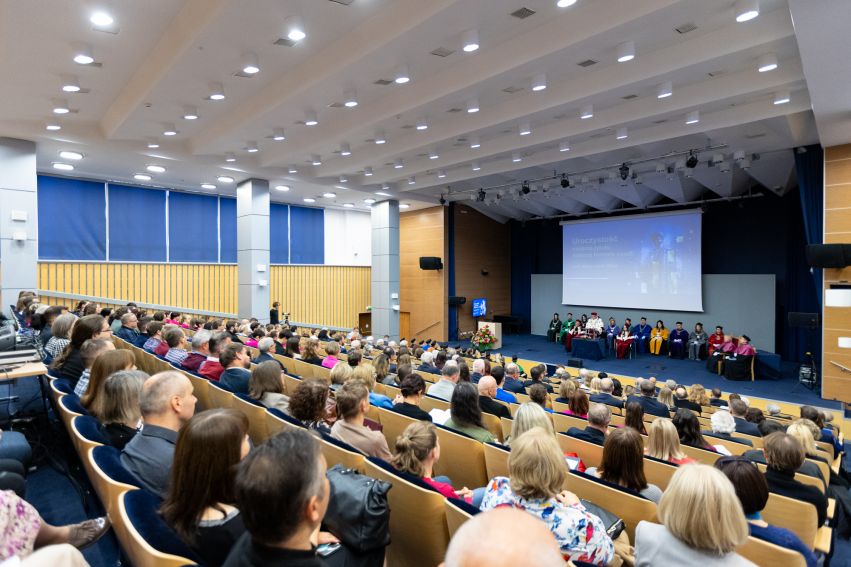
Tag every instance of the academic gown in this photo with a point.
(677, 342)
(642, 337)
(718, 356)
(657, 339)
(622, 344)
(554, 329)
(715, 341)
(695, 342)
(566, 326)
(737, 366)
(612, 332)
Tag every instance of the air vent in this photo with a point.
(629, 96)
(587, 63)
(383, 82)
(523, 13)
(559, 116)
(285, 41)
(442, 52)
(714, 74)
(343, 2)
(755, 136)
(660, 121)
(512, 90)
(407, 126)
(453, 110)
(685, 28)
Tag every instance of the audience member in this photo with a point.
(166, 404)
(513, 383)
(599, 417)
(723, 427)
(827, 435)
(537, 374)
(69, 364)
(648, 401)
(681, 400)
(352, 405)
(663, 443)
(528, 417)
(716, 400)
(478, 370)
(128, 328)
(236, 361)
(606, 394)
(755, 416)
(498, 374)
(212, 368)
(107, 363)
(266, 385)
(538, 394)
(121, 417)
(175, 338)
(466, 415)
(623, 464)
(413, 389)
(200, 351)
(536, 480)
(688, 428)
(311, 352)
(739, 411)
(308, 402)
(702, 523)
(784, 455)
(366, 374)
(566, 390)
(444, 387)
(635, 417)
(487, 395)
(90, 351)
(155, 329)
(60, 334)
(666, 398)
(578, 405)
(340, 374)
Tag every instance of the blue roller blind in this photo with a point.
(279, 250)
(192, 228)
(307, 235)
(136, 224)
(71, 219)
(227, 229)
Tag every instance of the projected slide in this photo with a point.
(644, 262)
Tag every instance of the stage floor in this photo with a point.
(787, 389)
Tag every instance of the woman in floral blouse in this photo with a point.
(538, 471)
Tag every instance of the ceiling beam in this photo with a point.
(184, 29)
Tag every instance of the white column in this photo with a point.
(252, 249)
(385, 269)
(18, 220)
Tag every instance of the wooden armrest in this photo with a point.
(837, 462)
(831, 508)
(823, 537)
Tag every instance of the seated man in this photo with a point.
(143, 335)
(155, 337)
(681, 400)
(723, 427)
(605, 396)
(200, 351)
(352, 405)
(784, 455)
(282, 495)
(554, 328)
(768, 427)
(594, 326)
(166, 403)
(642, 336)
(129, 330)
(738, 409)
(678, 342)
(537, 375)
(737, 366)
(444, 387)
(715, 398)
(513, 383)
(498, 374)
(611, 332)
(211, 368)
(487, 395)
(236, 362)
(477, 371)
(426, 363)
(266, 346)
(176, 341)
(599, 417)
(648, 401)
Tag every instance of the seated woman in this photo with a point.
(311, 352)
(200, 501)
(537, 475)
(293, 350)
(417, 452)
(635, 417)
(307, 404)
(266, 385)
(666, 396)
(413, 390)
(578, 405)
(69, 364)
(466, 415)
(566, 390)
(623, 463)
(658, 337)
(723, 427)
(381, 365)
(528, 417)
(350, 427)
(697, 395)
(827, 434)
(120, 416)
(702, 523)
(752, 491)
(688, 428)
(755, 416)
(366, 373)
(340, 374)
(594, 386)
(623, 342)
(663, 443)
(61, 336)
(332, 349)
(104, 365)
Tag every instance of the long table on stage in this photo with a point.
(593, 349)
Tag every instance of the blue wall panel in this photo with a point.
(192, 228)
(279, 252)
(227, 229)
(136, 224)
(307, 235)
(71, 219)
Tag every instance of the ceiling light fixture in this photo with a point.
(250, 64)
(433, 154)
(441, 173)
(782, 97)
(329, 195)
(380, 138)
(230, 157)
(142, 177)
(283, 188)
(349, 205)
(525, 129)
(60, 106)
(470, 41)
(169, 130)
(350, 98)
(473, 105)
(666, 89)
(225, 179)
(292, 169)
(251, 147)
(190, 113)
(345, 149)
(476, 166)
(404, 206)
(422, 124)
(516, 158)
(402, 75)
(622, 133)
(693, 117)
(52, 127)
(63, 166)
(217, 91)
(278, 134)
(399, 164)
(564, 146)
(626, 51)
(539, 83)
(767, 62)
(475, 142)
(70, 155)
(153, 144)
(207, 186)
(155, 168)
(344, 179)
(369, 201)
(295, 28)
(367, 171)
(70, 84)
(309, 200)
(101, 19)
(83, 54)
(412, 180)
(565, 3)
(746, 10)
(384, 190)
(310, 118)
(316, 159)
(586, 112)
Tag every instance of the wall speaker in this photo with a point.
(430, 263)
(457, 300)
(829, 255)
(574, 362)
(803, 320)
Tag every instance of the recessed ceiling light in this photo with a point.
(250, 65)
(516, 158)
(60, 106)
(152, 144)
(350, 98)
(295, 28)
(344, 179)
(230, 157)
(316, 159)
(345, 149)
(475, 142)
(539, 83)
(441, 173)
(70, 155)
(525, 129)
(412, 180)
(329, 195)
(782, 97)
(404, 205)
(225, 179)
(190, 113)
(207, 186)
(52, 127)
(380, 138)
(310, 118)
(369, 201)
(746, 10)
(278, 135)
(155, 168)
(470, 41)
(586, 112)
(626, 51)
(251, 147)
(70, 84)
(399, 164)
(101, 19)
(292, 169)
(622, 134)
(666, 89)
(367, 171)
(564, 146)
(422, 124)
(477, 166)
(473, 105)
(63, 166)
(142, 177)
(309, 200)
(217, 91)
(169, 130)
(565, 3)
(402, 75)
(348, 205)
(433, 154)
(282, 187)
(83, 54)
(693, 117)
(767, 62)
(383, 193)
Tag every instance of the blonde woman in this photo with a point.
(566, 390)
(697, 395)
(366, 373)
(703, 523)
(536, 479)
(663, 443)
(666, 396)
(340, 374)
(595, 385)
(529, 416)
(806, 432)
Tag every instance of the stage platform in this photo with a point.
(787, 389)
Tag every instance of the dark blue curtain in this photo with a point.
(809, 166)
(136, 224)
(307, 236)
(453, 310)
(192, 228)
(227, 229)
(279, 250)
(71, 219)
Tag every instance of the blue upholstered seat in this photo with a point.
(249, 399)
(63, 385)
(341, 444)
(279, 414)
(89, 428)
(108, 459)
(143, 512)
(72, 403)
(390, 469)
(220, 386)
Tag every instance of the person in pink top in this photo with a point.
(417, 451)
(738, 365)
(332, 349)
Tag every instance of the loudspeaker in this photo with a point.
(829, 255)
(574, 362)
(457, 300)
(430, 263)
(804, 320)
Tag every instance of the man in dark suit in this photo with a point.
(427, 366)
(716, 400)
(477, 371)
(681, 400)
(512, 380)
(599, 416)
(648, 401)
(738, 409)
(537, 374)
(605, 396)
(487, 393)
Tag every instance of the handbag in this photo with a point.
(614, 525)
(358, 512)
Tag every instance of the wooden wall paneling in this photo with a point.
(423, 293)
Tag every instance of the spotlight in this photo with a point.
(295, 29)
(565, 182)
(442, 199)
(250, 66)
(691, 162)
(345, 149)
(626, 51)
(402, 75)
(525, 189)
(767, 62)
(480, 197)
(217, 91)
(350, 99)
(746, 10)
(310, 118)
(624, 171)
(278, 134)
(471, 41)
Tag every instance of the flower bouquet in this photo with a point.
(483, 339)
